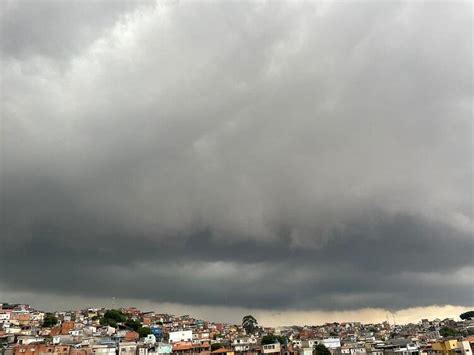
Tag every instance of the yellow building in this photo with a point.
(449, 347)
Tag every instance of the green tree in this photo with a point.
(133, 324)
(447, 332)
(268, 339)
(112, 317)
(321, 349)
(467, 315)
(115, 315)
(108, 322)
(143, 331)
(249, 323)
(272, 339)
(216, 346)
(49, 320)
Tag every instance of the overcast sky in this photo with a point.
(269, 157)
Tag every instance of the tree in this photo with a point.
(133, 324)
(112, 317)
(467, 315)
(143, 331)
(216, 346)
(49, 320)
(272, 339)
(321, 350)
(447, 332)
(249, 323)
(108, 322)
(115, 315)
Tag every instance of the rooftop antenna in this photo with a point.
(393, 317)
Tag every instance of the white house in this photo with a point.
(409, 349)
(243, 344)
(332, 343)
(182, 335)
(4, 316)
(13, 330)
(100, 349)
(158, 349)
(272, 348)
(310, 343)
(297, 343)
(25, 340)
(150, 339)
(127, 348)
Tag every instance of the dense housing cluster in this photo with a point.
(129, 331)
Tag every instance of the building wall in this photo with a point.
(306, 351)
(81, 351)
(127, 348)
(41, 349)
(4, 316)
(332, 343)
(271, 348)
(184, 335)
(103, 350)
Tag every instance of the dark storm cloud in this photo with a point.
(56, 28)
(267, 155)
(390, 265)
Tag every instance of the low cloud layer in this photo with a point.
(262, 155)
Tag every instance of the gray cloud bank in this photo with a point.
(266, 155)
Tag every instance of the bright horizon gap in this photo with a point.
(219, 314)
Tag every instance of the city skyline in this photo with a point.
(390, 318)
(233, 315)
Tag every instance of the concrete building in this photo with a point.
(331, 343)
(181, 336)
(127, 348)
(450, 347)
(306, 351)
(41, 349)
(271, 348)
(104, 349)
